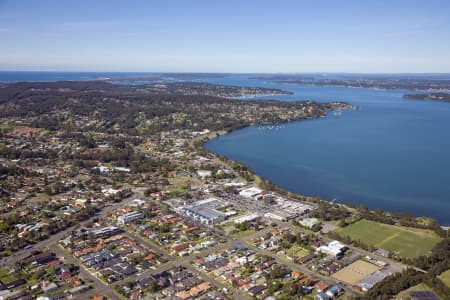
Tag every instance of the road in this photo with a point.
(284, 261)
(294, 266)
(175, 261)
(160, 250)
(21, 254)
(99, 287)
(102, 288)
(393, 267)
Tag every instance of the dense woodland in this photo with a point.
(133, 110)
(434, 264)
(445, 97)
(417, 83)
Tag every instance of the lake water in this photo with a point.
(392, 153)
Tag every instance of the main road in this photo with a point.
(21, 254)
(105, 289)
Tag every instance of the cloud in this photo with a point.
(5, 30)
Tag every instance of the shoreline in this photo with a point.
(315, 84)
(286, 191)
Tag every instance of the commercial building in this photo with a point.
(246, 218)
(334, 248)
(369, 281)
(130, 217)
(204, 173)
(106, 232)
(204, 214)
(309, 222)
(294, 206)
(207, 211)
(279, 216)
(251, 192)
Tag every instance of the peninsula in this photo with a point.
(389, 82)
(108, 191)
(445, 97)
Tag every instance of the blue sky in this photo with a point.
(225, 36)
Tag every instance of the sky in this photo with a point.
(289, 36)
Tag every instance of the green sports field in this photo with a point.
(405, 241)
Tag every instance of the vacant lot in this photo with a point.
(355, 272)
(241, 234)
(405, 241)
(297, 252)
(445, 278)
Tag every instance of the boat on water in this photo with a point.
(271, 127)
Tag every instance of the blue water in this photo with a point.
(392, 153)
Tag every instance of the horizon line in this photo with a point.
(243, 73)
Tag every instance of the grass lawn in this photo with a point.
(180, 181)
(7, 127)
(445, 278)
(227, 228)
(297, 252)
(5, 277)
(243, 233)
(405, 241)
(45, 196)
(310, 296)
(257, 180)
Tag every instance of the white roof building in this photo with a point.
(275, 216)
(246, 218)
(334, 248)
(122, 169)
(309, 222)
(329, 251)
(204, 173)
(130, 217)
(250, 192)
(110, 191)
(206, 211)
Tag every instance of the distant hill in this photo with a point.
(430, 96)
